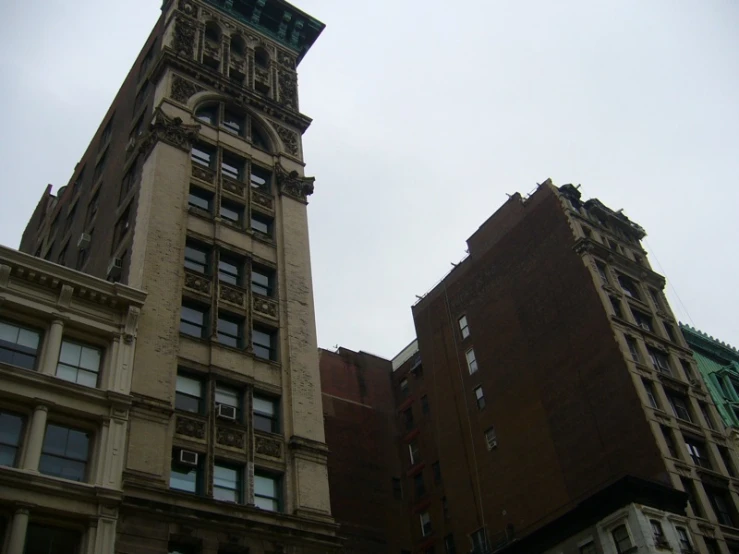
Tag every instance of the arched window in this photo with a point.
(212, 32)
(207, 113)
(259, 137)
(261, 57)
(238, 46)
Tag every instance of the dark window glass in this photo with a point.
(588, 548)
(100, 167)
(184, 477)
(712, 546)
(425, 524)
(261, 224)
(436, 468)
(629, 287)
(196, 258)
(684, 538)
(728, 460)
(449, 546)
(202, 155)
(193, 320)
(207, 114)
(258, 138)
(234, 122)
(419, 485)
(229, 270)
(79, 363)
(397, 489)
(633, 349)
(229, 330)
(616, 303)
(64, 453)
(262, 281)
(403, 388)
(232, 166)
(697, 453)
(621, 539)
(660, 360)
(707, 416)
(408, 417)
(232, 213)
(680, 407)
(41, 539)
(260, 178)
(264, 343)
(643, 320)
(721, 503)
(480, 397)
(266, 415)
(425, 404)
(227, 483)
(18, 345)
(189, 394)
(689, 488)
(670, 330)
(670, 442)
(650, 394)
(200, 199)
(654, 294)
(261, 57)
(11, 429)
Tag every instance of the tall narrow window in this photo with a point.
(680, 407)
(656, 299)
(689, 488)
(261, 224)
(266, 416)
(643, 320)
(261, 178)
(262, 281)
(491, 438)
(202, 155)
(193, 320)
(197, 258)
(64, 453)
(684, 538)
(658, 532)
(264, 343)
(397, 489)
(11, 427)
(267, 491)
(186, 477)
(227, 483)
(230, 330)
(669, 331)
(200, 199)
(601, 268)
(464, 328)
(721, 504)
(414, 453)
(79, 363)
(403, 388)
(633, 349)
(234, 122)
(480, 397)
(229, 270)
(408, 417)
(189, 394)
(425, 524)
(660, 360)
(667, 434)
(697, 453)
(425, 409)
(232, 166)
(616, 304)
(471, 361)
(688, 370)
(707, 416)
(227, 396)
(232, 213)
(436, 469)
(419, 485)
(207, 113)
(621, 539)
(728, 460)
(629, 287)
(649, 388)
(449, 546)
(18, 345)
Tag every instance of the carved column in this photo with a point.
(53, 347)
(18, 529)
(35, 438)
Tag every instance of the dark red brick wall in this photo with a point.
(557, 390)
(362, 439)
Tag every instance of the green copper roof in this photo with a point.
(277, 19)
(718, 363)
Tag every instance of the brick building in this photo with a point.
(193, 190)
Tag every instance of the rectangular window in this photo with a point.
(227, 483)
(232, 166)
(200, 199)
(397, 489)
(721, 504)
(689, 489)
(413, 452)
(189, 394)
(202, 155)
(107, 132)
(42, 539)
(403, 388)
(602, 273)
(18, 345)
(121, 227)
(712, 546)
(471, 361)
(649, 387)
(266, 415)
(11, 431)
(684, 538)
(445, 507)
(657, 531)
(419, 485)
(436, 468)
(670, 331)
(728, 461)
(230, 330)
(688, 370)
(64, 452)
(588, 548)
(408, 417)
(480, 543)
(261, 224)
(621, 539)
(262, 281)
(234, 122)
(232, 213)
(185, 477)
(464, 328)
(616, 304)
(707, 416)
(261, 179)
(425, 408)
(491, 438)
(697, 453)
(197, 258)
(141, 96)
(480, 396)
(227, 396)
(629, 287)
(127, 182)
(449, 546)
(633, 349)
(92, 207)
(208, 114)
(680, 407)
(229, 270)
(267, 491)
(643, 320)
(194, 320)
(425, 524)
(660, 360)
(264, 343)
(79, 363)
(655, 296)
(669, 441)
(98, 172)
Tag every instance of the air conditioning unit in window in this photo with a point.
(114, 268)
(83, 242)
(187, 458)
(226, 412)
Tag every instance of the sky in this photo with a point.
(426, 114)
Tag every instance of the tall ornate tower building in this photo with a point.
(193, 190)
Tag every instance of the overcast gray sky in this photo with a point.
(425, 115)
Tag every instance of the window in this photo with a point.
(670, 331)
(264, 343)
(419, 485)
(261, 179)
(207, 114)
(425, 524)
(267, 491)
(643, 320)
(413, 452)
(621, 539)
(728, 461)
(408, 417)
(721, 504)
(42, 539)
(64, 453)
(697, 453)
(234, 122)
(202, 155)
(613, 245)
(258, 138)
(680, 407)
(480, 396)
(707, 416)
(197, 258)
(649, 387)
(588, 548)
(230, 330)
(261, 57)
(436, 468)
(188, 394)
(403, 388)
(127, 183)
(480, 543)
(471, 361)
(669, 441)
(228, 396)
(227, 483)
(397, 489)
(136, 132)
(98, 172)
(633, 349)
(491, 438)
(92, 207)
(656, 300)
(232, 213)
(178, 548)
(18, 345)
(262, 281)
(79, 363)
(602, 272)
(616, 304)
(232, 166)
(194, 320)
(445, 507)
(660, 361)
(261, 224)
(684, 539)
(107, 132)
(121, 227)
(629, 286)
(11, 429)
(425, 408)
(266, 416)
(712, 546)
(689, 488)
(449, 546)
(200, 199)
(464, 328)
(229, 270)
(184, 477)
(688, 370)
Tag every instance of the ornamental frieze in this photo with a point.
(185, 30)
(263, 200)
(268, 447)
(263, 306)
(288, 89)
(203, 173)
(197, 282)
(289, 139)
(182, 89)
(234, 296)
(188, 427)
(232, 438)
(234, 187)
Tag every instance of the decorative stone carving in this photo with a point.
(264, 306)
(132, 321)
(187, 7)
(197, 282)
(190, 427)
(232, 438)
(268, 447)
(234, 187)
(169, 130)
(293, 185)
(232, 295)
(263, 200)
(285, 59)
(65, 296)
(182, 89)
(184, 37)
(4, 276)
(289, 139)
(288, 86)
(212, 51)
(203, 173)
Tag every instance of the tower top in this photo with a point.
(277, 19)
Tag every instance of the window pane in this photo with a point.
(27, 338)
(261, 224)
(87, 378)
(8, 333)
(90, 358)
(261, 283)
(225, 477)
(62, 467)
(266, 504)
(67, 373)
(234, 122)
(55, 440)
(228, 327)
(261, 338)
(50, 540)
(187, 403)
(199, 199)
(265, 423)
(190, 386)
(231, 213)
(227, 396)
(70, 353)
(10, 429)
(265, 486)
(192, 315)
(227, 495)
(184, 479)
(264, 406)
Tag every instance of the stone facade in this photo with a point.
(67, 343)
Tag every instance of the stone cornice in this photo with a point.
(293, 185)
(699, 339)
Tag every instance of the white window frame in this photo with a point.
(464, 327)
(423, 524)
(472, 365)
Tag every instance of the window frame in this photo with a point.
(617, 542)
(176, 467)
(236, 208)
(203, 148)
(464, 327)
(203, 326)
(272, 349)
(226, 389)
(414, 452)
(236, 278)
(23, 350)
(234, 161)
(49, 535)
(200, 193)
(472, 364)
(480, 397)
(267, 273)
(238, 488)
(425, 521)
(227, 338)
(676, 409)
(264, 220)
(83, 346)
(277, 480)
(14, 449)
(186, 396)
(48, 456)
(193, 264)
(273, 419)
